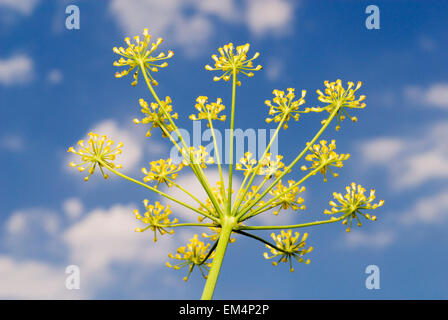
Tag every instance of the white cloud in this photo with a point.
(163, 18)
(411, 161)
(435, 95)
(357, 239)
(17, 69)
(25, 221)
(24, 7)
(274, 69)
(73, 208)
(269, 15)
(33, 280)
(55, 76)
(225, 9)
(429, 210)
(32, 233)
(12, 143)
(382, 150)
(190, 23)
(106, 237)
(98, 242)
(427, 44)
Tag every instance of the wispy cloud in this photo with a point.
(33, 280)
(269, 16)
(274, 69)
(24, 7)
(16, 69)
(410, 161)
(429, 210)
(359, 239)
(435, 95)
(12, 143)
(73, 208)
(55, 76)
(192, 23)
(97, 242)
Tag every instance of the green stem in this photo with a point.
(292, 226)
(174, 225)
(218, 159)
(232, 123)
(226, 231)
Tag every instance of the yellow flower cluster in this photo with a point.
(246, 163)
(99, 151)
(162, 171)
(337, 97)
(270, 166)
(324, 156)
(288, 247)
(195, 253)
(287, 198)
(156, 116)
(138, 56)
(208, 111)
(228, 61)
(352, 203)
(156, 217)
(285, 106)
(199, 155)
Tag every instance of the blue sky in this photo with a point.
(56, 85)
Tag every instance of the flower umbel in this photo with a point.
(246, 164)
(324, 156)
(196, 253)
(268, 184)
(287, 198)
(352, 203)
(337, 97)
(290, 247)
(208, 111)
(200, 157)
(99, 151)
(156, 116)
(138, 56)
(162, 171)
(156, 217)
(285, 106)
(230, 60)
(270, 167)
